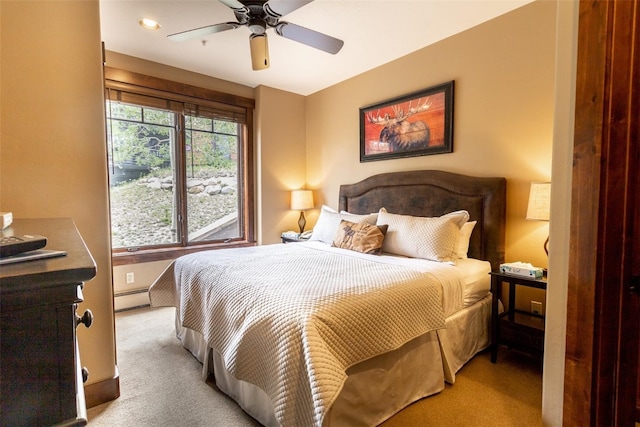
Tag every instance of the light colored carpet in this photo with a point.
(161, 385)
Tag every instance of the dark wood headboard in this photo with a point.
(432, 193)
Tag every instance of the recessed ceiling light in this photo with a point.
(148, 23)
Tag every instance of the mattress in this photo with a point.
(474, 284)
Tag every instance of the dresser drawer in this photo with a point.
(39, 366)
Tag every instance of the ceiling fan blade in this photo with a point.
(309, 37)
(233, 4)
(202, 31)
(282, 7)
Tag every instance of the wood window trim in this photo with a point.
(147, 85)
(161, 254)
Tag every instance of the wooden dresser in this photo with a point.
(41, 381)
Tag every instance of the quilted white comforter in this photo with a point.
(292, 318)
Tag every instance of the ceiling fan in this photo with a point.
(259, 15)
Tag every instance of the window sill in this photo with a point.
(150, 255)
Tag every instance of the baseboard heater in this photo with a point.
(130, 300)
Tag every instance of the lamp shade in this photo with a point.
(539, 201)
(301, 200)
(259, 51)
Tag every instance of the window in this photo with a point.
(180, 168)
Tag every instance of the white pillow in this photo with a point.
(435, 239)
(329, 220)
(374, 214)
(464, 237)
(460, 217)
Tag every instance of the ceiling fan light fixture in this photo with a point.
(257, 25)
(148, 23)
(259, 51)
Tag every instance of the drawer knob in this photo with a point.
(85, 374)
(86, 319)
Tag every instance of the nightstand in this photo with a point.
(517, 329)
(292, 239)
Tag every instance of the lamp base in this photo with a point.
(302, 222)
(546, 246)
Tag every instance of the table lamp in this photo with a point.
(540, 205)
(300, 201)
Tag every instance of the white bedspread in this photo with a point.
(292, 318)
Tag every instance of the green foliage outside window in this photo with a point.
(211, 143)
(139, 136)
(143, 149)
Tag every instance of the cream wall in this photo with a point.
(281, 154)
(513, 110)
(134, 294)
(137, 65)
(52, 151)
(503, 115)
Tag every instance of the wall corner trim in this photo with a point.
(103, 391)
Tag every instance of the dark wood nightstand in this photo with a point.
(292, 239)
(517, 329)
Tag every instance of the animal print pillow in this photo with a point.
(361, 237)
(329, 219)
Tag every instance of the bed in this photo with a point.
(313, 334)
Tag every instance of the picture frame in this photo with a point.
(417, 124)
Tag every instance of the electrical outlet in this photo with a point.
(131, 277)
(536, 307)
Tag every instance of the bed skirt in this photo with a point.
(376, 388)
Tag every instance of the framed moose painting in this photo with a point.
(417, 124)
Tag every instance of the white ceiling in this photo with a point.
(374, 32)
